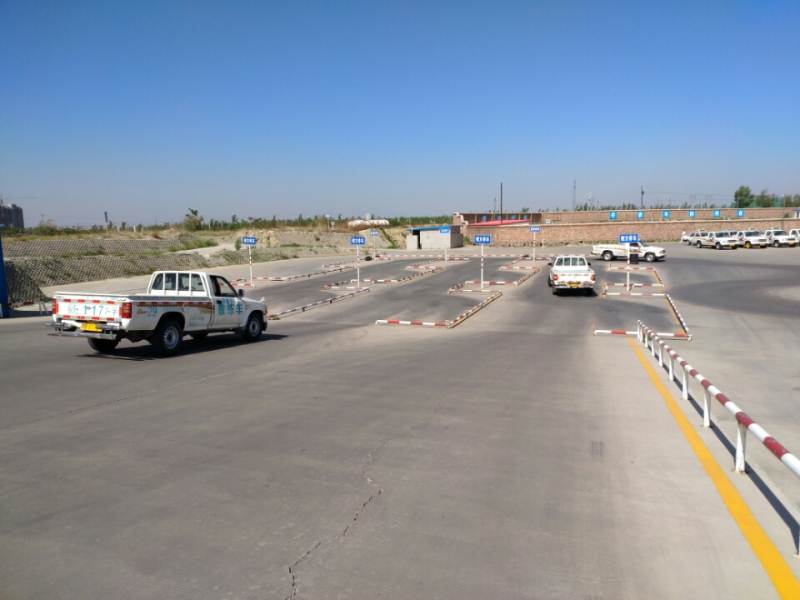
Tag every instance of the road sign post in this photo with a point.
(250, 241)
(534, 229)
(628, 239)
(373, 233)
(445, 230)
(482, 240)
(358, 241)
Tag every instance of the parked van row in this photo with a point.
(750, 238)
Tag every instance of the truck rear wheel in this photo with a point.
(608, 255)
(103, 346)
(167, 337)
(253, 328)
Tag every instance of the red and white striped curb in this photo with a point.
(525, 277)
(487, 282)
(245, 282)
(322, 302)
(630, 268)
(679, 316)
(663, 334)
(744, 422)
(468, 313)
(449, 324)
(413, 322)
(622, 284)
(637, 294)
(613, 332)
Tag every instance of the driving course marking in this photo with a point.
(786, 584)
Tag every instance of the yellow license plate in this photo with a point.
(573, 284)
(90, 327)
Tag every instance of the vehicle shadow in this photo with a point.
(142, 351)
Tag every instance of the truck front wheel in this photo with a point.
(649, 257)
(253, 328)
(168, 337)
(103, 346)
(608, 255)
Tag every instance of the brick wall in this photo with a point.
(573, 233)
(602, 216)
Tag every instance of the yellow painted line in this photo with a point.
(776, 567)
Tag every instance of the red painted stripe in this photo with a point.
(416, 322)
(722, 398)
(705, 383)
(744, 419)
(775, 446)
(393, 321)
(618, 332)
(692, 372)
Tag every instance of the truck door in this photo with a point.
(228, 307)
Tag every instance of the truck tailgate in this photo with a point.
(89, 307)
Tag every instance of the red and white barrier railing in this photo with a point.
(744, 423)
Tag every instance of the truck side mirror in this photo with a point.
(241, 293)
(550, 264)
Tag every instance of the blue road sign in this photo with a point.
(444, 229)
(692, 214)
(612, 216)
(640, 214)
(740, 213)
(628, 238)
(665, 214)
(715, 214)
(249, 240)
(374, 232)
(482, 240)
(358, 240)
(535, 229)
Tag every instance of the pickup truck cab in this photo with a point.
(620, 251)
(571, 272)
(718, 240)
(175, 303)
(752, 239)
(778, 237)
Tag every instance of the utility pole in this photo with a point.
(574, 183)
(642, 197)
(501, 202)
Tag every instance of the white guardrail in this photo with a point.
(744, 424)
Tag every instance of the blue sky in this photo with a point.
(257, 108)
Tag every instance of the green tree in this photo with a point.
(743, 197)
(193, 220)
(764, 199)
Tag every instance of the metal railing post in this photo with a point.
(706, 408)
(671, 367)
(741, 446)
(684, 384)
(653, 345)
(660, 354)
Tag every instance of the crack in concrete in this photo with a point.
(356, 516)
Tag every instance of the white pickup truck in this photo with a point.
(176, 303)
(620, 251)
(571, 272)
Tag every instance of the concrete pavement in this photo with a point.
(514, 456)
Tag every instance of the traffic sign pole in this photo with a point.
(358, 268)
(482, 245)
(628, 270)
(534, 246)
(250, 259)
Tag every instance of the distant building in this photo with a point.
(11, 216)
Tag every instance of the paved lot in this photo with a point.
(514, 456)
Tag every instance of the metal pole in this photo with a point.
(501, 203)
(250, 260)
(534, 248)
(628, 270)
(358, 268)
(482, 245)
